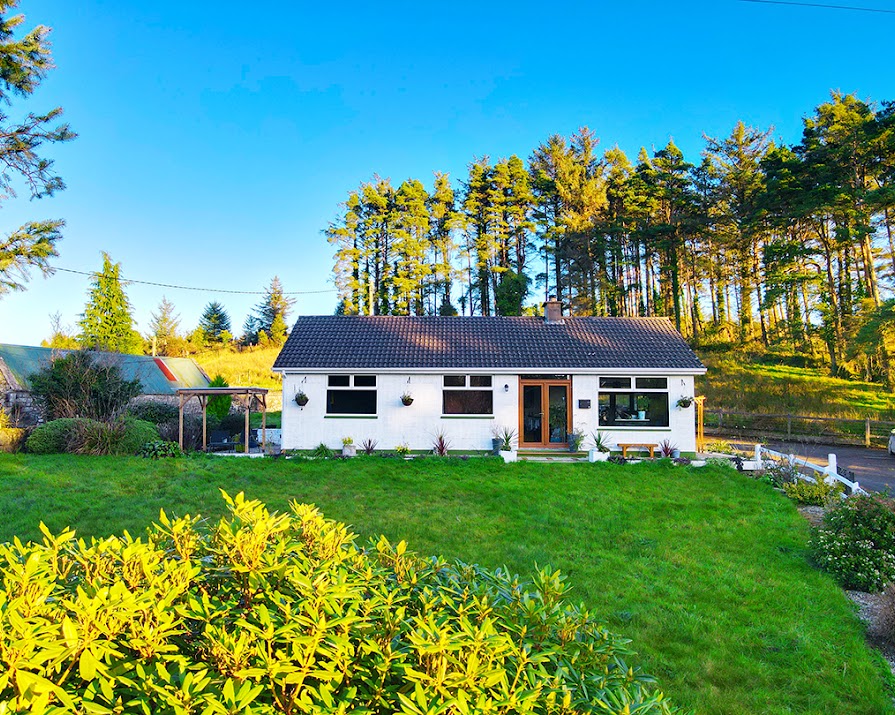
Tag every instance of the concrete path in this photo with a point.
(874, 468)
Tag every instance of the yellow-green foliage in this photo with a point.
(249, 366)
(12, 439)
(273, 613)
(818, 493)
(735, 384)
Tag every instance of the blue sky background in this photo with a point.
(218, 139)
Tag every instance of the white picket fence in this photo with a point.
(828, 472)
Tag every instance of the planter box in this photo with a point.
(596, 455)
(349, 450)
(509, 456)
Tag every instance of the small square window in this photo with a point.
(652, 383)
(455, 380)
(339, 381)
(480, 381)
(365, 380)
(616, 383)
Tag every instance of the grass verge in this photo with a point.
(704, 569)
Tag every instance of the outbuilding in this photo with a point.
(403, 380)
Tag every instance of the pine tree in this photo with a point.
(271, 313)
(163, 329)
(214, 324)
(23, 65)
(106, 323)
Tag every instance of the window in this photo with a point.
(347, 399)
(615, 383)
(459, 399)
(646, 406)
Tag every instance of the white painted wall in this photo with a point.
(681, 429)
(417, 425)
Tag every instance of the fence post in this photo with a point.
(758, 455)
(788, 427)
(867, 432)
(720, 419)
(831, 469)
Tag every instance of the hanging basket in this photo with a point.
(301, 399)
(406, 400)
(685, 402)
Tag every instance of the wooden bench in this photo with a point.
(625, 446)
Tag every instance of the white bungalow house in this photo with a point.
(345, 376)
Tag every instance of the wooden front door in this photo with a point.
(544, 413)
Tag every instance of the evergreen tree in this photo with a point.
(106, 323)
(214, 324)
(24, 63)
(61, 337)
(271, 313)
(163, 329)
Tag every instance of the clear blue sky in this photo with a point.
(217, 139)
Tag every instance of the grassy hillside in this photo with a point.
(243, 368)
(704, 569)
(733, 383)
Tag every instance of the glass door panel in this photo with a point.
(558, 420)
(532, 414)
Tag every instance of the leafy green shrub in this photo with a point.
(719, 446)
(79, 435)
(79, 385)
(219, 405)
(154, 411)
(136, 434)
(856, 542)
(12, 439)
(818, 493)
(271, 613)
(123, 437)
(780, 472)
(53, 437)
(321, 451)
(159, 449)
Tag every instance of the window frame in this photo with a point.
(635, 391)
(352, 387)
(467, 387)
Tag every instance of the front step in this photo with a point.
(551, 455)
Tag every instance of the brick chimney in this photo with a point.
(552, 310)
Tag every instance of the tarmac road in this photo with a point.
(874, 468)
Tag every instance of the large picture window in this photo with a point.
(351, 395)
(467, 395)
(644, 406)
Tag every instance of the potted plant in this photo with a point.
(348, 448)
(505, 439)
(406, 399)
(600, 452)
(642, 407)
(575, 438)
(301, 399)
(684, 402)
(403, 450)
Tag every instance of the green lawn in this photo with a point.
(704, 569)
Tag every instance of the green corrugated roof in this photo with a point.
(24, 360)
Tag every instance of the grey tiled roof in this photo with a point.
(370, 342)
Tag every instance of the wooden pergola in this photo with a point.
(203, 393)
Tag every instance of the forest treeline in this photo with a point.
(754, 244)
